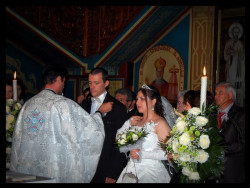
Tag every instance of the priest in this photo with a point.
(54, 137)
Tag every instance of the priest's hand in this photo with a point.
(105, 107)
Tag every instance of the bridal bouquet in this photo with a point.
(196, 146)
(12, 109)
(130, 136)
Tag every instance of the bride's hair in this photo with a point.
(153, 93)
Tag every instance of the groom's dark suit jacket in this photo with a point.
(111, 161)
(233, 131)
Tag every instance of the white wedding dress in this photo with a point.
(149, 169)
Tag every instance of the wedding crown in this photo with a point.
(144, 86)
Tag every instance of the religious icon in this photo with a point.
(163, 68)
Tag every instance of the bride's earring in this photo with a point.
(153, 108)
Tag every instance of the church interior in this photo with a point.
(135, 44)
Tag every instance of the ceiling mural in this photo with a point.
(87, 31)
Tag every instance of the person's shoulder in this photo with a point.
(117, 105)
(238, 108)
(86, 101)
(236, 112)
(241, 110)
(112, 99)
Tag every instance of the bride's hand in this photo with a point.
(134, 153)
(134, 120)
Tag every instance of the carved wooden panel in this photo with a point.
(202, 46)
(85, 30)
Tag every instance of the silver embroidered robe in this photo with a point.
(55, 137)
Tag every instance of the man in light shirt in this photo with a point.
(111, 162)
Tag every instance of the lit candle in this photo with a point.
(203, 88)
(15, 87)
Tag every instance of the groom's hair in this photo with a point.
(100, 70)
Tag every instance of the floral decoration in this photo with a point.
(130, 136)
(196, 146)
(12, 109)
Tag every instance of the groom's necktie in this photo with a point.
(219, 118)
(96, 103)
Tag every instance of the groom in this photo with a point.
(111, 162)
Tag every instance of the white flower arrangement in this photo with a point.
(12, 109)
(130, 136)
(195, 145)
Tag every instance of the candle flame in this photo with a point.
(14, 75)
(204, 71)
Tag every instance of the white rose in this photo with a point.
(10, 118)
(175, 145)
(134, 137)
(7, 109)
(8, 150)
(8, 126)
(202, 156)
(17, 106)
(195, 111)
(180, 126)
(10, 102)
(175, 156)
(185, 157)
(123, 141)
(204, 141)
(123, 136)
(178, 119)
(201, 121)
(185, 171)
(194, 175)
(184, 139)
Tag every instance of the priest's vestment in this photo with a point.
(55, 137)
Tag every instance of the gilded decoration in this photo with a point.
(202, 42)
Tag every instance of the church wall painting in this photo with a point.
(231, 63)
(163, 67)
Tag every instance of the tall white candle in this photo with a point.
(15, 87)
(203, 89)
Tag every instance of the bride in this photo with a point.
(145, 159)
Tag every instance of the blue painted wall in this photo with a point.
(29, 71)
(177, 38)
(27, 68)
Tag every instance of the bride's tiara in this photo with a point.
(144, 86)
